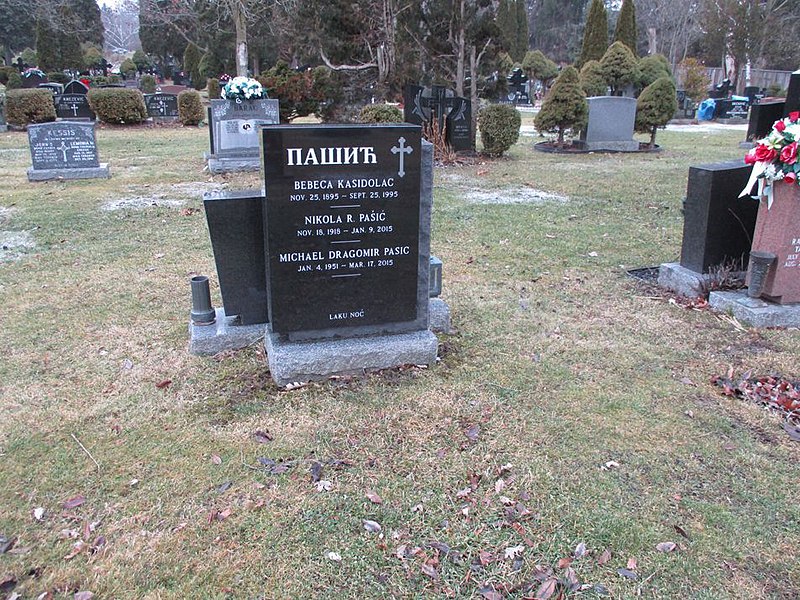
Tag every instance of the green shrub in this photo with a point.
(655, 106)
(14, 80)
(128, 68)
(5, 72)
(499, 126)
(652, 67)
(380, 113)
(593, 82)
(776, 91)
(98, 80)
(33, 105)
(148, 84)
(190, 107)
(565, 107)
(58, 77)
(620, 67)
(118, 105)
(213, 89)
(113, 79)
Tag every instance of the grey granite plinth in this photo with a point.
(299, 362)
(685, 282)
(232, 164)
(222, 335)
(755, 311)
(626, 146)
(439, 315)
(101, 172)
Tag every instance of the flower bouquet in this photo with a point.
(243, 88)
(774, 158)
(31, 71)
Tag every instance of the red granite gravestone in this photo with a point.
(778, 231)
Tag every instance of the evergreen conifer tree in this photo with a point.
(652, 67)
(537, 66)
(565, 107)
(522, 33)
(625, 31)
(595, 34)
(47, 51)
(619, 67)
(655, 107)
(592, 79)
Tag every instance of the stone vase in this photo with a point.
(777, 231)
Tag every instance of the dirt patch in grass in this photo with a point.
(169, 196)
(14, 244)
(513, 196)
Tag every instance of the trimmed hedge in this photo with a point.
(118, 105)
(33, 105)
(214, 90)
(14, 80)
(499, 126)
(58, 77)
(148, 84)
(190, 108)
(380, 113)
(5, 72)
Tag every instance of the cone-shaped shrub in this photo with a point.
(592, 79)
(564, 107)
(625, 31)
(619, 67)
(655, 107)
(595, 34)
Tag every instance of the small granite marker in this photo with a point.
(610, 125)
(233, 133)
(64, 150)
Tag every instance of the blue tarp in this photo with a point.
(705, 112)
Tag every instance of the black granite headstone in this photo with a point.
(718, 225)
(73, 106)
(342, 220)
(161, 105)
(459, 125)
(731, 109)
(76, 87)
(55, 88)
(63, 145)
(792, 95)
(414, 111)
(762, 117)
(236, 227)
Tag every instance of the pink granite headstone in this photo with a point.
(778, 231)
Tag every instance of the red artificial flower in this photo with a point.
(750, 158)
(789, 154)
(779, 126)
(794, 116)
(765, 153)
(790, 177)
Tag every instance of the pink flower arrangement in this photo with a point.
(774, 158)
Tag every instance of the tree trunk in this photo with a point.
(653, 137)
(461, 50)
(240, 23)
(473, 95)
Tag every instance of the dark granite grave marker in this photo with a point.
(64, 149)
(75, 87)
(55, 88)
(414, 109)
(731, 109)
(73, 106)
(342, 223)
(762, 117)
(236, 227)
(792, 94)
(459, 125)
(718, 225)
(161, 105)
(517, 89)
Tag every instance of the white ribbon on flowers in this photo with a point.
(764, 188)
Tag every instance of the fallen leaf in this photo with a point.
(499, 486)
(571, 579)
(262, 437)
(77, 548)
(83, 596)
(666, 546)
(563, 563)
(6, 544)
(74, 502)
(604, 557)
(473, 432)
(164, 384)
(612, 464)
(224, 487)
(681, 531)
(323, 485)
(371, 526)
(8, 583)
(400, 552)
(547, 589)
(687, 381)
(38, 513)
(593, 254)
(514, 551)
(628, 574)
(632, 564)
(580, 550)
(373, 497)
(430, 571)
(489, 593)
(334, 556)
(793, 431)
(316, 471)
(222, 515)
(216, 459)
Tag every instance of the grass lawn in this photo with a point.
(570, 414)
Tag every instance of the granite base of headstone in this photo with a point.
(718, 229)
(64, 150)
(233, 133)
(224, 334)
(755, 312)
(610, 125)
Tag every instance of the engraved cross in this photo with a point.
(402, 151)
(63, 147)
